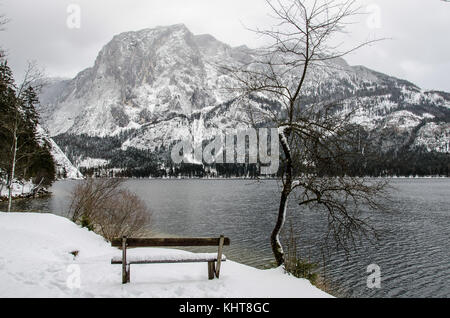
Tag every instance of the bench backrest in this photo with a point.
(169, 242)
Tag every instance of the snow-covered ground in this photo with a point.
(92, 163)
(18, 188)
(36, 261)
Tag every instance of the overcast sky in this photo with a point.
(418, 49)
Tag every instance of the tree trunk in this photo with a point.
(13, 170)
(277, 248)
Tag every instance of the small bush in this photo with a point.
(103, 206)
(296, 266)
(124, 215)
(302, 269)
(85, 222)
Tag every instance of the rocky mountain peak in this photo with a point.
(157, 82)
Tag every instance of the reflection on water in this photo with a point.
(413, 251)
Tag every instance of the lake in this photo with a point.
(413, 251)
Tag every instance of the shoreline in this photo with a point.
(252, 179)
(323, 283)
(42, 193)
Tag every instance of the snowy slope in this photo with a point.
(63, 164)
(41, 265)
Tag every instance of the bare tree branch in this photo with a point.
(317, 140)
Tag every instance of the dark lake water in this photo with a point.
(413, 251)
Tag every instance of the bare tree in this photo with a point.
(105, 207)
(87, 197)
(3, 21)
(19, 119)
(317, 141)
(124, 215)
(19, 116)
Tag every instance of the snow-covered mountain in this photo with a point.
(161, 85)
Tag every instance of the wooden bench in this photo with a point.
(214, 261)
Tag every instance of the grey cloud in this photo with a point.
(418, 50)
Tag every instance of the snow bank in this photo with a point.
(36, 261)
(18, 188)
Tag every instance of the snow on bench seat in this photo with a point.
(169, 258)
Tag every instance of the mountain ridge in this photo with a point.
(161, 84)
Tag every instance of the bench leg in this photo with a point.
(211, 270)
(219, 256)
(217, 272)
(125, 266)
(125, 273)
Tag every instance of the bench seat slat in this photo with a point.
(169, 259)
(169, 242)
(211, 259)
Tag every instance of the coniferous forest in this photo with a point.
(401, 161)
(25, 154)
